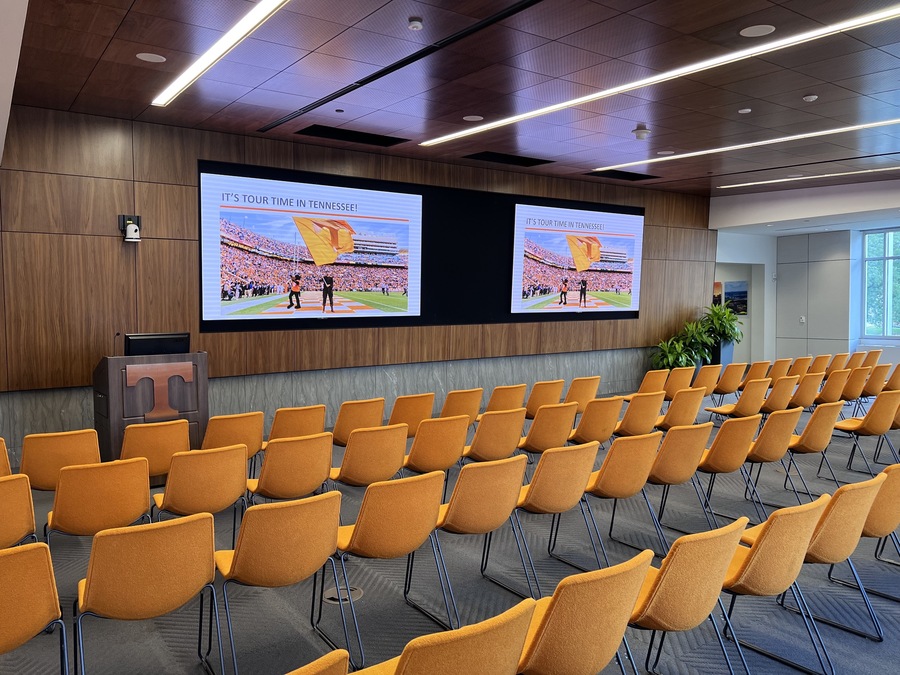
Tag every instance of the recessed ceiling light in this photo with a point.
(473, 118)
(824, 175)
(810, 98)
(744, 111)
(252, 20)
(794, 175)
(338, 110)
(758, 30)
(415, 23)
(755, 144)
(700, 66)
(151, 58)
(665, 152)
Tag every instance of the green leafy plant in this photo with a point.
(722, 324)
(698, 341)
(672, 353)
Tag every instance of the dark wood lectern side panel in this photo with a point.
(140, 389)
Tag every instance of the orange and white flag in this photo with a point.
(325, 239)
(585, 250)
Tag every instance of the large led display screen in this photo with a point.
(575, 260)
(311, 248)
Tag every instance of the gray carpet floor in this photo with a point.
(272, 627)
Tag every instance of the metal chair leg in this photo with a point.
(443, 580)
(485, 555)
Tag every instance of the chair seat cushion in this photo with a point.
(224, 562)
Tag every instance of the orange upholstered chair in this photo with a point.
(94, 497)
(682, 410)
(438, 445)
(157, 441)
(293, 467)
(29, 603)
(497, 435)
(779, 397)
(243, 428)
(17, 507)
(834, 385)
(807, 390)
(543, 393)
(295, 422)
(357, 415)
(815, 438)
(505, 397)
(729, 381)
(800, 366)
(335, 662)
(780, 368)
(756, 371)
(678, 379)
(582, 390)
(550, 429)
(43, 455)
(372, 454)
(819, 363)
(599, 420)
(463, 402)
(877, 422)
(707, 377)
(5, 469)
(728, 453)
(148, 571)
(641, 414)
(653, 380)
(411, 410)
(839, 362)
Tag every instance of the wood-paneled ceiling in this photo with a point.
(80, 55)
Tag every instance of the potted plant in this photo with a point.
(722, 325)
(672, 353)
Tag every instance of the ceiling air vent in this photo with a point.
(513, 160)
(620, 175)
(350, 136)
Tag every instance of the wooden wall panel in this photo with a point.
(414, 344)
(60, 204)
(170, 154)
(4, 366)
(166, 211)
(71, 174)
(65, 298)
(57, 142)
(167, 297)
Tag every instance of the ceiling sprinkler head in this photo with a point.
(415, 23)
(641, 132)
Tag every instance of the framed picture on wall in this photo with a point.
(735, 292)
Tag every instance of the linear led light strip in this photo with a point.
(824, 175)
(251, 21)
(754, 144)
(858, 22)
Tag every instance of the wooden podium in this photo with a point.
(139, 389)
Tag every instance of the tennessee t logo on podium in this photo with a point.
(159, 374)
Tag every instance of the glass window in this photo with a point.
(882, 284)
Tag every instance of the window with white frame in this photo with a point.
(882, 283)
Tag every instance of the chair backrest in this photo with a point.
(653, 380)
(582, 625)
(855, 360)
(463, 402)
(775, 436)
(641, 414)
(559, 479)
(335, 662)
(780, 368)
(17, 508)
(834, 385)
(731, 378)
(807, 389)
(94, 497)
(678, 379)
(438, 443)
(396, 517)
(707, 377)
(373, 454)
(551, 427)
(772, 563)
(840, 527)
(817, 433)
(626, 467)
(497, 434)
(243, 428)
(157, 441)
(411, 410)
(293, 422)
(752, 398)
(29, 600)
(872, 357)
(484, 496)
(756, 371)
(582, 390)
(780, 395)
(877, 379)
(543, 393)
(884, 516)
(819, 363)
(893, 382)
(43, 455)
(839, 362)
(357, 415)
(145, 571)
(283, 543)
(206, 480)
(855, 383)
(295, 467)
(599, 420)
(731, 445)
(491, 646)
(689, 582)
(5, 469)
(881, 414)
(684, 408)
(800, 366)
(680, 453)
(506, 397)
